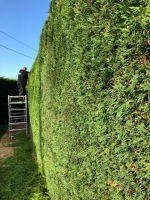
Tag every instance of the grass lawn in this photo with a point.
(19, 176)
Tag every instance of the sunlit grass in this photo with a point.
(19, 174)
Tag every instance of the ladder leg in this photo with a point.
(9, 115)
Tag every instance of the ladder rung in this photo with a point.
(18, 116)
(18, 129)
(17, 103)
(11, 120)
(16, 123)
(15, 109)
(17, 96)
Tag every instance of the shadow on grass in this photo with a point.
(19, 176)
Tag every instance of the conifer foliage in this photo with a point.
(88, 96)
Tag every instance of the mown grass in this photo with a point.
(19, 175)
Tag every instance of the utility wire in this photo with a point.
(18, 40)
(16, 51)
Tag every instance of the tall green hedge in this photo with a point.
(88, 94)
(8, 86)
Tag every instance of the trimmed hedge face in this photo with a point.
(88, 94)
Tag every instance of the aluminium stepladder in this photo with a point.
(17, 114)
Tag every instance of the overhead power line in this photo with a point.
(16, 51)
(18, 40)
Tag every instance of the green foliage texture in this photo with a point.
(88, 93)
(7, 87)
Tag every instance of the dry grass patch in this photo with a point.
(6, 151)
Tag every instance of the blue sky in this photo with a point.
(22, 20)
